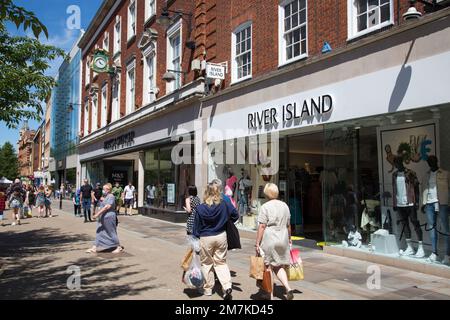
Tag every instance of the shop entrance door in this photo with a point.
(304, 190)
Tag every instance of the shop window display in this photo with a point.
(386, 184)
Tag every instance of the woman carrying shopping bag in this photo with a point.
(210, 226)
(273, 240)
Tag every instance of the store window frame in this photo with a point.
(131, 20)
(352, 17)
(131, 87)
(117, 35)
(238, 57)
(149, 83)
(174, 32)
(283, 34)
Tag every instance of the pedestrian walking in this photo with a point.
(117, 192)
(30, 201)
(273, 240)
(106, 236)
(48, 202)
(192, 201)
(128, 196)
(16, 198)
(41, 199)
(97, 196)
(210, 226)
(2, 206)
(86, 200)
(76, 203)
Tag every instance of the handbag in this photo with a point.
(266, 283)
(233, 238)
(256, 267)
(295, 269)
(187, 259)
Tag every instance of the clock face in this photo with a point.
(100, 62)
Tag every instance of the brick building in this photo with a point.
(25, 149)
(336, 88)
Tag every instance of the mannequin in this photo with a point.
(406, 197)
(435, 203)
(353, 239)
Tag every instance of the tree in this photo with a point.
(9, 164)
(23, 62)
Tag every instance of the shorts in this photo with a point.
(15, 204)
(129, 202)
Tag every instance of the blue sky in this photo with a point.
(53, 13)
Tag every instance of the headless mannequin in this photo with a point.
(436, 207)
(406, 208)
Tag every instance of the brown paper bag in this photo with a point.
(257, 267)
(266, 283)
(186, 262)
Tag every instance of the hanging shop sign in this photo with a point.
(120, 142)
(100, 61)
(215, 71)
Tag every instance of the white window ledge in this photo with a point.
(370, 30)
(240, 79)
(301, 57)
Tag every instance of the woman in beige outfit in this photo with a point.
(273, 240)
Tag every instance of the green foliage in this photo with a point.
(9, 164)
(21, 17)
(23, 62)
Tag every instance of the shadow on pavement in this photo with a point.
(33, 268)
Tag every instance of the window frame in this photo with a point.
(105, 39)
(130, 106)
(104, 106)
(282, 59)
(148, 14)
(234, 56)
(150, 52)
(175, 29)
(115, 105)
(352, 22)
(130, 34)
(86, 118)
(117, 36)
(94, 116)
(87, 74)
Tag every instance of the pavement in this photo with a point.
(39, 258)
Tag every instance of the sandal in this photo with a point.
(91, 250)
(119, 249)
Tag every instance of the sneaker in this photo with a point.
(205, 292)
(432, 258)
(228, 295)
(408, 252)
(420, 253)
(13, 224)
(290, 295)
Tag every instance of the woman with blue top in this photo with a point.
(210, 226)
(106, 236)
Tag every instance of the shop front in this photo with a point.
(353, 139)
(139, 149)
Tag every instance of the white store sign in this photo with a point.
(215, 71)
(420, 83)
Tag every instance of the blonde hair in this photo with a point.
(212, 194)
(108, 185)
(271, 191)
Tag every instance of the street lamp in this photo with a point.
(169, 76)
(165, 21)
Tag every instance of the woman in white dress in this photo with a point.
(273, 240)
